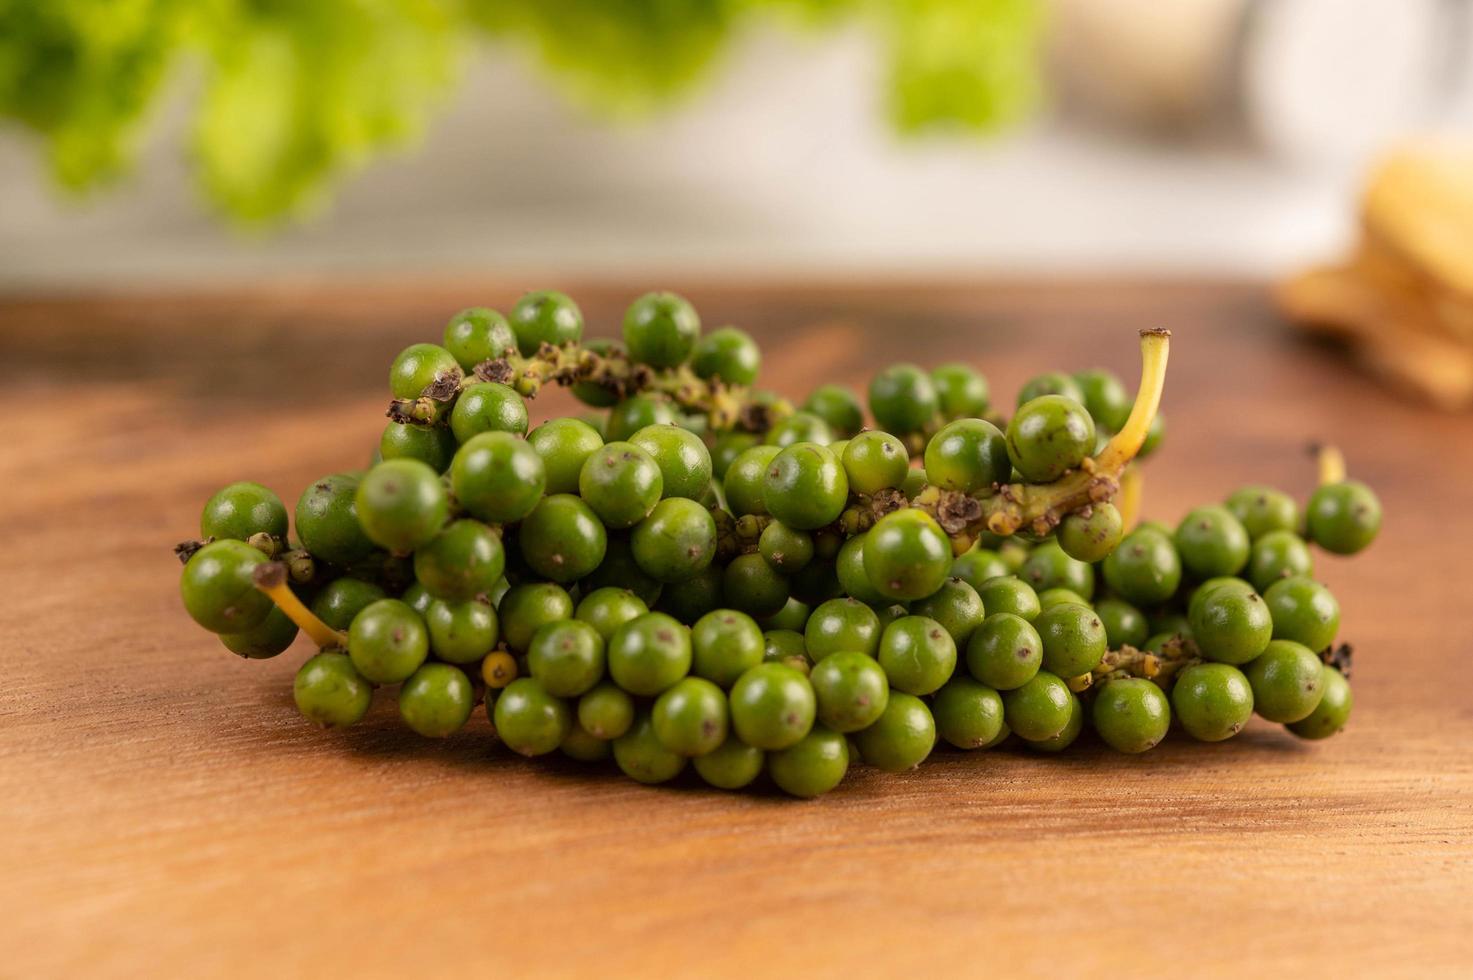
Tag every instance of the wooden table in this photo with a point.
(166, 813)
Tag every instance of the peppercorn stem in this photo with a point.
(1128, 500)
(1331, 465)
(1126, 444)
(270, 578)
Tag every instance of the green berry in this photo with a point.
(785, 549)
(838, 407)
(436, 700)
(690, 718)
(772, 706)
(967, 455)
(649, 654)
(677, 540)
(433, 445)
(1343, 517)
(327, 521)
(420, 366)
(1105, 398)
(564, 445)
(488, 407)
(478, 334)
(684, 461)
(562, 539)
(566, 657)
(584, 746)
(605, 711)
(1039, 709)
(1091, 534)
(1231, 623)
(1050, 567)
(849, 568)
(956, 606)
(691, 598)
(805, 487)
(745, 479)
(661, 329)
(1333, 711)
(875, 461)
(268, 638)
(401, 504)
(812, 766)
(962, 390)
(1074, 639)
(461, 562)
(792, 616)
(642, 757)
(528, 720)
(841, 624)
(416, 597)
(1049, 598)
(728, 446)
(1212, 701)
(1125, 625)
(728, 354)
(901, 738)
(387, 641)
(1262, 510)
(242, 509)
(724, 644)
(968, 714)
(461, 632)
(632, 414)
(527, 607)
(977, 565)
(1049, 436)
(608, 608)
(1010, 594)
(751, 585)
(498, 477)
(1212, 543)
(330, 692)
(1131, 714)
(907, 555)
(1278, 555)
(1053, 384)
(1286, 681)
(731, 765)
(799, 427)
(622, 483)
(619, 570)
(851, 690)
(219, 590)
(545, 317)
(1145, 569)
(1005, 652)
(1070, 732)
(1304, 611)
(785, 646)
(917, 654)
(903, 399)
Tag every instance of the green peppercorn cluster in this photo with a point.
(696, 574)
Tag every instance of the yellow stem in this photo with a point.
(1128, 500)
(270, 578)
(1155, 348)
(1332, 465)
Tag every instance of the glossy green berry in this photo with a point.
(805, 487)
(1049, 436)
(725, 643)
(219, 590)
(841, 624)
(463, 561)
(799, 427)
(642, 757)
(436, 700)
(401, 504)
(527, 607)
(566, 657)
(242, 509)
(1067, 735)
(619, 570)
(1074, 639)
(649, 654)
(605, 711)
(330, 692)
(1333, 711)
(1286, 680)
(416, 597)
(1106, 399)
(784, 645)
(728, 446)
(268, 638)
(488, 407)
(1262, 510)
(1343, 517)
(1051, 383)
(1125, 625)
(1304, 611)
(1278, 555)
(327, 520)
(684, 461)
(528, 720)
(562, 539)
(691, 717)
(968, 714)
(1091, 534)
(977, 565)
(1005, 652)
(901, 738)
(1038, 709)
(967, 455)
(731, 765)
(1131, 714)
(785, 549)
(1212, 701)
(903, 399)
(849, 568)
(1049, 598)
(461, 632)
(419, 366)
(874, 461)
(498, 477)
(918, 655)
(792, 616)
(907, 555)
(433, 445)
(956, 606)
(661, 329)
(545, 317)
(635, 413)
(772, 706)
(1212, 542)
(838, 407)
(745, 480)
(1050, 567)
(963, 391)
(728, 354)
(608, 608)
(478, 334)
(1010, 594)
(622, 483)
(1231, 623)
(812, 766)
(677, 540)
(584, 746)
(388, 641)
(694, 596)
(851, 690)
(1144, 569)
(564, 446)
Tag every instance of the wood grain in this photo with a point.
(166, 813)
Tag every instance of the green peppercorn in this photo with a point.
(1333, 711)
(1286, 681)
(530, 721)
(901, 738)
(545, 317)
(1304, 611)
(218, 587)
(436, 700)
(967, 455)
(1131, 714)
(649, 654)
(772, 706)
(330, 692)
(1212, 701)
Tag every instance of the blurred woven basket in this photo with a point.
(1403, 300)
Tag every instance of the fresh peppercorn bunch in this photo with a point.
(704, 575)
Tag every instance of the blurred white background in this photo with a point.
(785, 164)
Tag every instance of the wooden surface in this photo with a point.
(163, 810)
